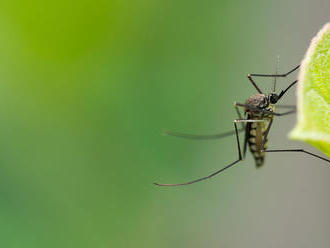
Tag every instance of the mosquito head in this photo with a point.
(273, 98)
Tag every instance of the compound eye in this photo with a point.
(273, 98)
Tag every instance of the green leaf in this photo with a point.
(313, 92)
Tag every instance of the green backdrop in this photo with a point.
(86, 88)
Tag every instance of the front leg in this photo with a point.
(275, 75)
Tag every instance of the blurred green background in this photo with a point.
(86, 87)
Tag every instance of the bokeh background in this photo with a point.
(86, 87)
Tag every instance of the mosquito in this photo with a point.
(259, 112)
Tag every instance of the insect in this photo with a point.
(259, 112)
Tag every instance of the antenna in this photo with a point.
(276, 72)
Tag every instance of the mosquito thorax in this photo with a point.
(258, 101)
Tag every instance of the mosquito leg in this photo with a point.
(275, 75)
(243, 120)
(207, 137)
(254, 83)
(277, 114)
(284, 91)
(269, 75)
(286, 106)
(202, 137)
(239, 114)
(245, 127)
(217, 172)
(285, 113)
(299, 150)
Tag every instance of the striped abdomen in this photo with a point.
(255, 136)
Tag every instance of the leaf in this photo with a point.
(313, 93)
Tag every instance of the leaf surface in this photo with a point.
(313, 93)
